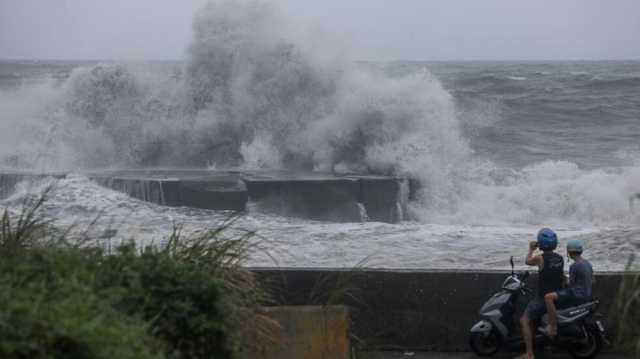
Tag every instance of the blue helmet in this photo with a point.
(547, 239)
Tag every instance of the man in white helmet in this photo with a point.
(579, 290)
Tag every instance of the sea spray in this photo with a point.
(550, 193)
(251, 95)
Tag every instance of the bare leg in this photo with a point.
(549, 301)
(527, 336)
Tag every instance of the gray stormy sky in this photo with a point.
(374, 29)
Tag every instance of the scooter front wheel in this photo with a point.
(484, 344)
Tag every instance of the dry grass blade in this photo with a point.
(29, 227)
(627, 311)
(338, 288)
(222, 251)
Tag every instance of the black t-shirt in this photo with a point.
(551, 276)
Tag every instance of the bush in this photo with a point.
(48, 309)
(627, 312)
(187, 299)
(181, 303)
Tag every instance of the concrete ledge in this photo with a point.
(317, 196)
(396, 309)
(385, 200)
(9, 180)
(310, 332)
(320, 198)
(221, 192)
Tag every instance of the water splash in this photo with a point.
(252, 95)
(364, 217)
(148, 190)
(248, 96)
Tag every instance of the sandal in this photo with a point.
(548, 332)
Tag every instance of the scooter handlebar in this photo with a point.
(523, 279)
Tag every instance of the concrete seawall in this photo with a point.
(324, 197)
(396, 309)
(10, 179)
(328, 197)
(216, 191)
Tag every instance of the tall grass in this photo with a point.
(28, 229)
(187, 298)
(222, 258)
(627, 311)
(339, 287)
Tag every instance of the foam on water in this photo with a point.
(252, 95)
(294, 242)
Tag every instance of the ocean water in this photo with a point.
(500, 149)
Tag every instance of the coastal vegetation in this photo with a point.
(627, 312)
(186, 298)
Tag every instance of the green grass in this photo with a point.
(49, 309)
(189, 298)
(627, 312)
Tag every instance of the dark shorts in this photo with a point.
(536, 309)
(566, 298)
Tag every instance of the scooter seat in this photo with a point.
(569, 315)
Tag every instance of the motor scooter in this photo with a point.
(579, 330)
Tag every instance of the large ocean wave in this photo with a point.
(251, 95)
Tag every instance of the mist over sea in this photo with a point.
(499, 148)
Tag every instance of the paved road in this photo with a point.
(434, 355)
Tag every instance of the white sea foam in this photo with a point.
(251, 95)
(549, 193)
(296, 242)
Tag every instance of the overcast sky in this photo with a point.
(375, 29)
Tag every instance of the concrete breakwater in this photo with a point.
(325, 197)
(9, 180)
(407, 310)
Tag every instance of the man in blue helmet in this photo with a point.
(579, 289)
(550, 279)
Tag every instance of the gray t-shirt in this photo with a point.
(581, 279)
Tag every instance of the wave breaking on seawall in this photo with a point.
(252, 96)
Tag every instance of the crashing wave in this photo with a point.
(252, 96)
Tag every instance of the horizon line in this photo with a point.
(359, 60)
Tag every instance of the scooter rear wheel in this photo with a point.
(588, 348)
(484, 345)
